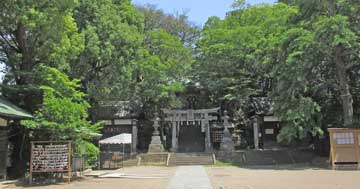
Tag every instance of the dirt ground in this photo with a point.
(222, 178)
(157, 178)
(240, 178)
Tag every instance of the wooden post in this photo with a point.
(31, 166)
(69, 163)
(332, 151)
(99, 164)
(357, 146)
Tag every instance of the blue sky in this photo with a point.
(198, 10)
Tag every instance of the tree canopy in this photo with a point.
(63, 57)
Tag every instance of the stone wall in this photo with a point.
(266, 157)
(154, 159)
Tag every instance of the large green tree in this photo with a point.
(113, 39)
(34, 33)
(123, 60)
(318, 70)
(63, 114)
(176, 24)
(236, 53)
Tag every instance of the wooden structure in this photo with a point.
(118, 118)
(50, 157)
(190, 118)
(265, 125)
(113, 151)
(8, 114)
(345, 146)
(3, 149)
(122, 126)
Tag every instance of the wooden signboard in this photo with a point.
(345, 146)
(50, 157)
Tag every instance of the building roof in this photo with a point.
(9, 110)
(113, 110)
(118, 139)
(262, 105)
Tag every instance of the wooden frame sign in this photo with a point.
(50, 157)
(345, 146)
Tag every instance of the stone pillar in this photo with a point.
(156, 145)
(227, 144)
(208, 146)
(256, 133)
(174, 137)
(134, 136)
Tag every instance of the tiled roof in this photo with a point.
(7, 109)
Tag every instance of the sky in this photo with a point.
(198, 10)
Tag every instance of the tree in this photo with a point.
(163, 70)
(64, 112)
(323, 46)
(124, 61)
(34, 33)
(234, 54)
(113, 39)
(176, 24)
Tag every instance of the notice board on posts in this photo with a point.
(345, 146)
(50, 157)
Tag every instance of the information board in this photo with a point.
(50, 156)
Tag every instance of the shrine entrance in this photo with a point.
(190, 129)
(191, 139)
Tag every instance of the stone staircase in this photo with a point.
(178, 159)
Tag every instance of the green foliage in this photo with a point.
(123, 60)
(309, 49)
(238, 4)
(292, 94)
(35, 32)
(64, 112)
(91, 152)
(237, 52)
(175, 24)
(308, 86)
(112, 41)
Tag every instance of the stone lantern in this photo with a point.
(227, 144)
(156, 145)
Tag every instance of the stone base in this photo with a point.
(227, 144)
(155, 145)
(156, 148)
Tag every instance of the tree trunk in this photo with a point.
(25, 70)
(346, 97)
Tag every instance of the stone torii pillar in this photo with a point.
(174, 139)
(206, 123)
(256, 132)
(134, 136)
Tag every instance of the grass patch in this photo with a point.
(223, 164)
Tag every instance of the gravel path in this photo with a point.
(190, 177)
(240, 178)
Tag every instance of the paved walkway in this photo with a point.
(190, 177)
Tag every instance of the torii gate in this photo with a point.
(177, 117)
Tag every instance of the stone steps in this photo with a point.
(178, 159)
